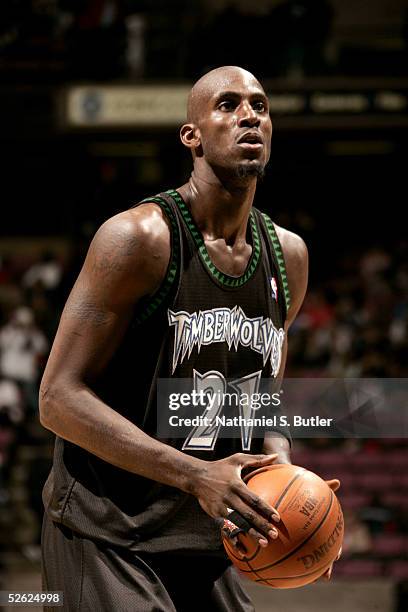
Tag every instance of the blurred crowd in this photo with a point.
(108, 39)
(356, 323)
(30, 304)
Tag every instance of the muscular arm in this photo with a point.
(296, 261)
(127, 260)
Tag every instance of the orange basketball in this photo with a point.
(310, 530)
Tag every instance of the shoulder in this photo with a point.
(294, 249)
(143, 227)
(297, 265)
(132, 245)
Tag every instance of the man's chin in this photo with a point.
(250, 169)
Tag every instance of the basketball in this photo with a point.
(310, 530)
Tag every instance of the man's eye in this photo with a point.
(227, 105)
(259, 107)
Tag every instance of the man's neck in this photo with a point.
(220, 209)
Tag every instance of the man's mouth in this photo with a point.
(251, 140)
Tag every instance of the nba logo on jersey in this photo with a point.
(274, 288)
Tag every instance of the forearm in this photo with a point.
(277, 443)
(104, 432)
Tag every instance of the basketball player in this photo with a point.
(193, 283)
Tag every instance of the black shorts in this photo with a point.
(98, 578)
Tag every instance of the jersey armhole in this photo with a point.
(152, 304)
(279, 258)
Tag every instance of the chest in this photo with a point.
(232, 261)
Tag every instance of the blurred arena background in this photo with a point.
(92, 94)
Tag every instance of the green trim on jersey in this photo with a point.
(279, 256)
(164, 289)
(221, 277)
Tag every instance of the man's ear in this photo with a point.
(190, 136)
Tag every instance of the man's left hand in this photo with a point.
(334, 484)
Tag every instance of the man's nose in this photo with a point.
(248, 116)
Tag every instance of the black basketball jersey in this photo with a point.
(201, 325)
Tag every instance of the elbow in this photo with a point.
(47, 404)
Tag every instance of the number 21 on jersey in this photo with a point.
(213, 385)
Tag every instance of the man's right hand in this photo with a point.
(220, 488)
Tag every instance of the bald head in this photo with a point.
(214, 81)
(225, 106)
